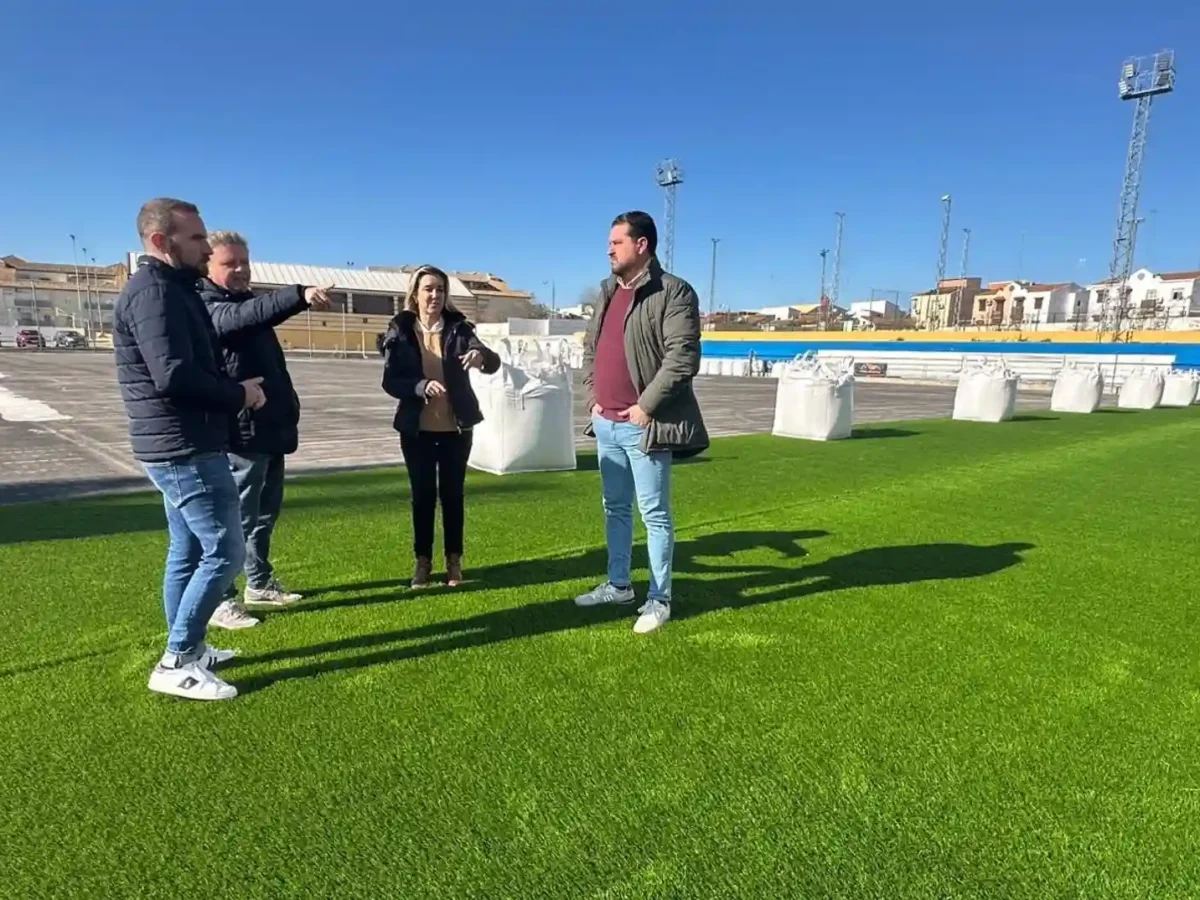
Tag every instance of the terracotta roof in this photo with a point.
(1039, 288)
(1179, 276)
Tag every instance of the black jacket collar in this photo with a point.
(407, 320)
(208, 287)
(181, 276)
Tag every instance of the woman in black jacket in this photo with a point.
(427, 352)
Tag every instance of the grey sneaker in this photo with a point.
(604, 594)
(230, 615)
(274, 594)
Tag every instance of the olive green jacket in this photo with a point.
(662, 350)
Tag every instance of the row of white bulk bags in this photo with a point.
(987, 392)
(528, 408)
(1078, 389)
(1180, 388)
(813, 399)
(1142, 389)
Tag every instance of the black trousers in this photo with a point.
(437, 468)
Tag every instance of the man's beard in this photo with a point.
(197, 272)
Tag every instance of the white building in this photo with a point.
(872, 310)
(1050, 304)
(782, 312)
(1167, 295)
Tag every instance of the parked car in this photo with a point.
(70, 339)
(30, 337)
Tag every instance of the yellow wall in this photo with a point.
(912, 337)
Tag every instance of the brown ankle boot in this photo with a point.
(421, 573)
(454, 572)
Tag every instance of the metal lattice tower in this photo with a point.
(822, 300)
(669, 177)
(962, 278)
(1142, 79)
(936, 318)
(837, 260)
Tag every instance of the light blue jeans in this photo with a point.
(206, 548)
(627, 472)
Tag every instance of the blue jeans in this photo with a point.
(259, 480)
(206, 545)
(625, 472)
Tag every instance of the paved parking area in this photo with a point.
(346, 420)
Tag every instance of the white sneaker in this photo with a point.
(605, 593)
(211, 656)
(654, 615)
(192, 682)
(230, 615)
(274, 594)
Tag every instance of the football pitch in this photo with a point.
(940, 659)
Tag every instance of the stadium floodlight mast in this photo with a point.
(836, 294)
(669, 176)
(936, 300)
(822, 300)
(1142, 79)
(962, 277)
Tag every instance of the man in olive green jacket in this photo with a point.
(641, 352)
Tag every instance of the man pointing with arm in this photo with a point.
(181, 405)
(245, 325)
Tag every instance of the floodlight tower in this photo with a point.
(962, 278)
(941, 268)
(822, 300)
(1142, 79)
(669, 177)
(837, 260)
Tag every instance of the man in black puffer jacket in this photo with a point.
(181, 403)
(245, 325)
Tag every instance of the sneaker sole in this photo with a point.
(658, 627)
(186, 695)
(586, 604)
(229, 626)
(276, 604)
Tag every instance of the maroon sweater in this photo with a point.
(611, 381)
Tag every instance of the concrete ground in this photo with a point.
(346, 419)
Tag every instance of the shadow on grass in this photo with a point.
(131, 513)
(869, 433)
(590, 462)
(1033, 417)
(735, 586)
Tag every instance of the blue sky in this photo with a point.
(506, 136)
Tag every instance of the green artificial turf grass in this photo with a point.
(943, 660)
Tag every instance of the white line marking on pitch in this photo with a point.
(15, 408)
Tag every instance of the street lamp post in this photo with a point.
(78, 293)
(345, 306)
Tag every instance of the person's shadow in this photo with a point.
(735, 585)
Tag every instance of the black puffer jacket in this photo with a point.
(177, 395)
(404, 378)
(245, 325)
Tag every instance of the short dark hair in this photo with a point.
(641, 225)
(159, 215)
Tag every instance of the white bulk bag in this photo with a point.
(709, 366)
(1142, 389)
(741, 367)
(528, 408)
(726, 367)
(1078, 389)
(987, 392)
(813, 400)
(1179, 388)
